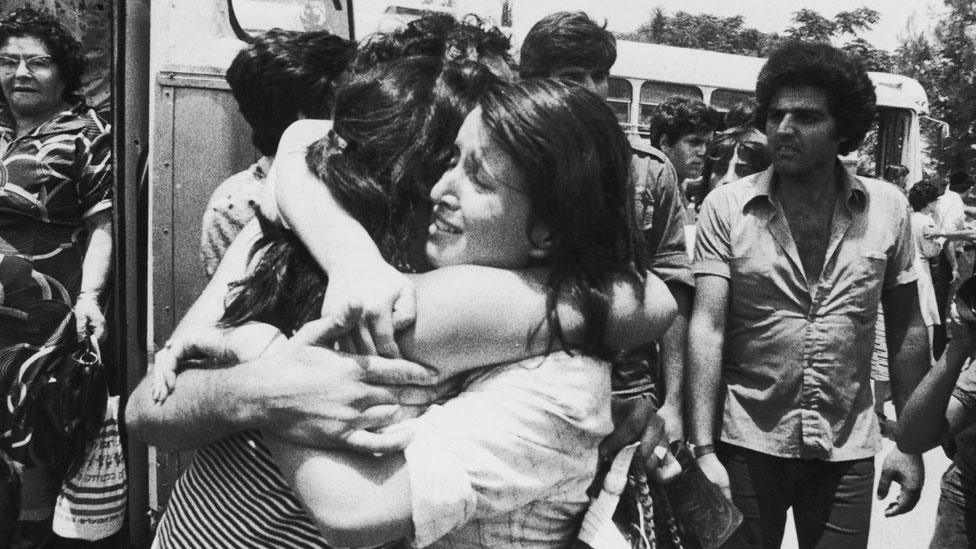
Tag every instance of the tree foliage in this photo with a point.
(944, 62)
(731, 35)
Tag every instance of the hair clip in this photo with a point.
(338, 141)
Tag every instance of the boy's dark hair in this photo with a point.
(281, 74)
(850, 92)
(960, 182)
(680, 116)
(922, 194)
(65, 49)
(566, 39)
(742, 114)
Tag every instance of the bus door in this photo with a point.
(198, 139)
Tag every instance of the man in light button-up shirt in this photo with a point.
(790, 266)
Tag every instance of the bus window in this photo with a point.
(892, 129)
(257, 16)
(619, 99)
(726, 99)
(655, 93)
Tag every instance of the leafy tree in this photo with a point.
(944, 62)
(705, 31)
(731, 35)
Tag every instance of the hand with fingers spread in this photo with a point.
(908, 470)
(222, 345)
(320, 397)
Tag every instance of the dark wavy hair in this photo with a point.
(566, 39)
(753, 150)
(436, 35)
(922, 194)
(393, 131)
(65, 49)
(576, 162)
(680, 116)
(850, 92)
(281, 74)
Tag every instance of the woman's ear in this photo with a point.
(542, 239)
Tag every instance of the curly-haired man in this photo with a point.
(790, 266)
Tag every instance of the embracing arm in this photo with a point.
(469, 316)
(355, 499)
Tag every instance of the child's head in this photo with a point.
(540, 177)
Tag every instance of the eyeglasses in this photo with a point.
(40, 63)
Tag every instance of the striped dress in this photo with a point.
(233, 495)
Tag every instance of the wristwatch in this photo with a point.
(703, 449)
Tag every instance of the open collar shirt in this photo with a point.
(796, 363)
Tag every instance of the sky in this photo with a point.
(897, 16)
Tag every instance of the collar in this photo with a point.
(852, 188)
(8, 125)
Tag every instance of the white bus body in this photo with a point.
(646, 74)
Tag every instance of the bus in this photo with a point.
(645, 75)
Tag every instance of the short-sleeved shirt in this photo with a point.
(507, 462)
(232, 205)
(796, 362)
(51, 180)
(660, 215)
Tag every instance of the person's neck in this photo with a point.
(26, 123)
(811, 188)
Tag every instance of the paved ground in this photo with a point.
(912, 530)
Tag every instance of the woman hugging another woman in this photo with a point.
(531, 199)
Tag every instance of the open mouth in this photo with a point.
(443, 226)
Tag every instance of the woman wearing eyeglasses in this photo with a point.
(55, 210)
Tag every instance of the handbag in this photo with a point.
(54, 399)
(92, 502)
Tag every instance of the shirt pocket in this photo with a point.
(752, 291)
(865, 280)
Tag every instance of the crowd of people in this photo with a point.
(721, 283)
(451, 290)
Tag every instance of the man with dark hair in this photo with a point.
(277, 78)
(791, 265)
(683, 128)
(571, 46)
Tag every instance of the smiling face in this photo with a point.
(30, 91)
(481, 212)
(802, 132)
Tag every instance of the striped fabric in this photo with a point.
(233, 495)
